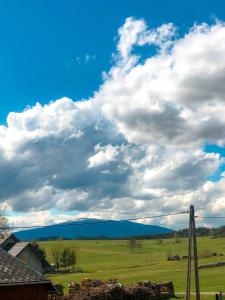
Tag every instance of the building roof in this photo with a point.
(13, 272)
(17, 248)
(4, 239)
(20, 246)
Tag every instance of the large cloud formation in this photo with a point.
(137, 145)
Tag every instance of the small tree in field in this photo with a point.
(176, 238)
(139, 244)
(64, 257)
(56, 254)
(159, 241)
(72, 259)
(133, 243)
(67, 258)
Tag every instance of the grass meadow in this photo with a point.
(104, 259)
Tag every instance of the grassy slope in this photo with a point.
(110, 259)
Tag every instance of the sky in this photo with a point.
(109, 109)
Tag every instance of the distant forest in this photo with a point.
(200, 231)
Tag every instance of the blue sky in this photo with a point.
(221, 151)
(148, 138)
(44, 43)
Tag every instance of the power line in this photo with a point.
(94, 222)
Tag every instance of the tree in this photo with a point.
(159, 241)
(133, 243)
(4, 226)
(56, 254)
(64, 257)
(176, 238)
(139, 244)
(72, 260)
(67, 258)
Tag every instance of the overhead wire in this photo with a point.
(71, 222)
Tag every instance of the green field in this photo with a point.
(112, 259)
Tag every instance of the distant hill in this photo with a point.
(91, 229)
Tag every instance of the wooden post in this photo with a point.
(219, 296)
(189, 259)
(197, 289)
(192, 236)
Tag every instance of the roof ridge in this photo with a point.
(16, 246)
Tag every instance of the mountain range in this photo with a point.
(91, 229)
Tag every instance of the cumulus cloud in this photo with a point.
(103, 155)
(137, 145)
(38, 218)
(177, 95)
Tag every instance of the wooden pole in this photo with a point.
(188, 289)
(197, 289)
(192, 236)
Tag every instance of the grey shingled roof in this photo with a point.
(17, 248)
(14, 271)
(2, 240)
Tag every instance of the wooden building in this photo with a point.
(25, 252)
(20, 282)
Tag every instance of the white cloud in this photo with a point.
(88, 58)
(39, 218)
(128, 36)
(103, 155)
(78, 60)
(175, 96)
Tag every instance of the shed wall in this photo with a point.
(25, 292)
(30, 258)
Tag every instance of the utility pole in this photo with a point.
(192, 238)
